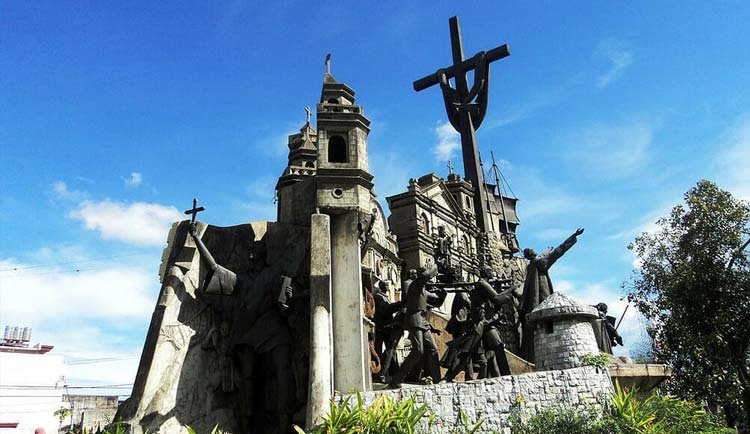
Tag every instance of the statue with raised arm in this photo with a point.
(259, 335)
(538, 286)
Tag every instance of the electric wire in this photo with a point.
(102, 258)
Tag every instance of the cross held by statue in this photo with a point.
(194, 211)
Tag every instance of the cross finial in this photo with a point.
(308, 114)
(450, 167)
(328, 63)
(194, 211)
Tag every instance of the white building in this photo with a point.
(31, 389)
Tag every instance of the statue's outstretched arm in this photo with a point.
(205, 254)
(562, 248)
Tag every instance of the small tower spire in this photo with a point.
(328, 63)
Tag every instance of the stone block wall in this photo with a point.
(498, 400)
(562, 345)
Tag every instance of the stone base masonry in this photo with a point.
(496, 400)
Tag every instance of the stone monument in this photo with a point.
(260, 325)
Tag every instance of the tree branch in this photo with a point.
(737, 254)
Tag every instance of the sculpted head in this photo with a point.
(487, 272)
(529, 253)
(382, 286)
(412, 274)
(441, 230)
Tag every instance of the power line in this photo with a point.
(102, 258)
(99, 360)
(28, 387)
(108, 386)
(77, 270)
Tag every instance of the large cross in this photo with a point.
(466, 107)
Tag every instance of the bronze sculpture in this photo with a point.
(387, 332)
(538, 286)
(420, 331)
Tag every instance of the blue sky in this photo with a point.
(116, 114)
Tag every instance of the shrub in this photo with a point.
(559, 420)
(383, 416)
(679, 417)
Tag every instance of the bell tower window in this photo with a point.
(337, 152)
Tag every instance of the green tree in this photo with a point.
(62, 413)
(694, 286)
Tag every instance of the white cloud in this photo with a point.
(137, 223)
(613, 150)
(448, 141)
(540, 199)
(134, 180)
(59, 295)
(262, 188)
(734, 160)
(618, 58)
(61, 191)
(100, 312)
(527, 108)
(647, 223)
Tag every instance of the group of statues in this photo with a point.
(477, 348)
(256, 337)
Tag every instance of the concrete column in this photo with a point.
(350, 366)
(321, 375)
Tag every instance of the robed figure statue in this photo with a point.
(538, 286)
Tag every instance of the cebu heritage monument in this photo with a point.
(259, 326)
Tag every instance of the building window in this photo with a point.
(548, 327)
(468, 202)
(337, 152)
(426, 224)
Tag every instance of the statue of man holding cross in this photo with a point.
(259, 334)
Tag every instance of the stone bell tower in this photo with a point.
(344, 183)
(343, 191)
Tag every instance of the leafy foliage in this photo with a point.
(631, 415)
(600, 360)
(62, 413)
(694, 287)
(383, 416)
(627, 414)
(559, 420)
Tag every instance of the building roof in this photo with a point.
(559, 305)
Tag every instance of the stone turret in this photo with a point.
(563, 333)
(343, 180)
